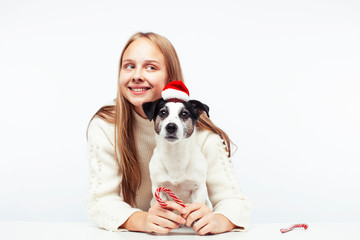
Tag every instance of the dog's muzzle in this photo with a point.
(171, 130)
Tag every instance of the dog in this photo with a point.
(177, 162)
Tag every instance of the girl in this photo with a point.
(121, 142)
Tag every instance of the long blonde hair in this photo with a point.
(121, 116)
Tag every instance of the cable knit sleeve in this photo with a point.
(223, 188)
(105, 203)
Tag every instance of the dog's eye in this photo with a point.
(163, 113)
(184, 115)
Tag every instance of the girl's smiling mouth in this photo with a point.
(139, 90)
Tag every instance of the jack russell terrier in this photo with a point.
(177, 162)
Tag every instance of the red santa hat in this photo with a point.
(175, 90)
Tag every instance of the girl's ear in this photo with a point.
(150, 109)
(199, 107)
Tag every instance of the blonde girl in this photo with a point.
(121, 141)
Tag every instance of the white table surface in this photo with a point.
(68, 231)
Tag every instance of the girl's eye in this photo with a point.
(129, 66)
(151, 68)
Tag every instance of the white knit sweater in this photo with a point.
(105, 202)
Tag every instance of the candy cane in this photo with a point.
(300, 225)
(170, 193)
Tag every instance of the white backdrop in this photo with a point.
(281, 77)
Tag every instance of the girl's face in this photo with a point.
(143, 73)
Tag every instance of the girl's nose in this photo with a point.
(138, 76)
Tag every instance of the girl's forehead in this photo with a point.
(143, 48)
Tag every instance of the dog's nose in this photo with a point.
(171, 127)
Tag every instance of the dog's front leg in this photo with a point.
(199, 195)
(159, 178)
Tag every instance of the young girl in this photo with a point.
(121, 141)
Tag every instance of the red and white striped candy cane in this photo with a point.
(300, 225)
(170, 193)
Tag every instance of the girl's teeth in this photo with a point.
(139, 89)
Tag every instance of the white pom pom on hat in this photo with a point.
(175, 90)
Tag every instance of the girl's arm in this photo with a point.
(105, 207)
(223, 188)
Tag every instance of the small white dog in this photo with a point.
(177, 162)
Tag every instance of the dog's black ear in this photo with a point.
(150, 109)
(199, 107)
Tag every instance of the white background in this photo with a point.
(280, 77)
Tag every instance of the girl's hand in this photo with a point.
(163, 220)
(205, 221)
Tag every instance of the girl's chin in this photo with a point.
(139, 102)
